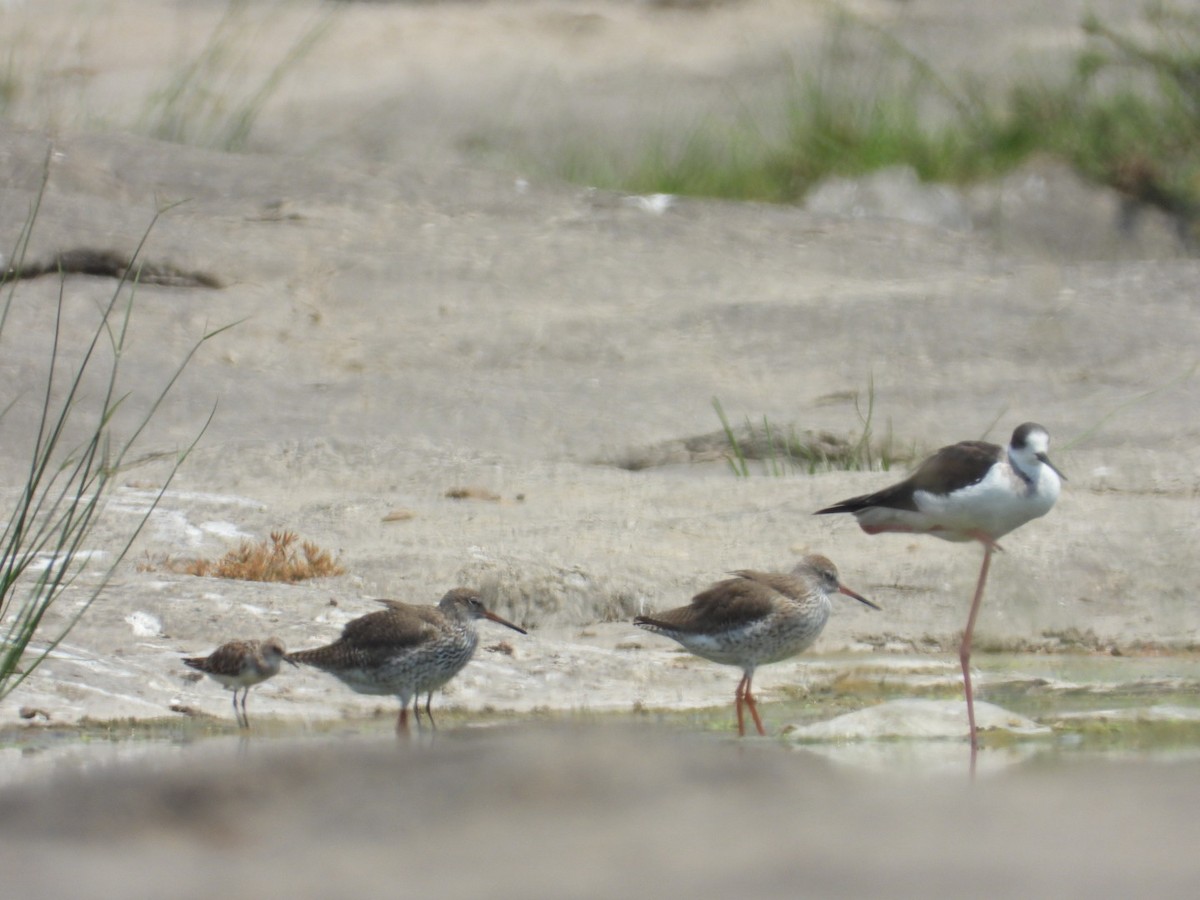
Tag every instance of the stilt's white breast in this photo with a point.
(996, 504)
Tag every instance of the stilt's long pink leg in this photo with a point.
(964, 651)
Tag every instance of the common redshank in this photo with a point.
(753, 619)
(969, 491)
(405, 650)
(239, 665)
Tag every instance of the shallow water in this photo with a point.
(1089, 706)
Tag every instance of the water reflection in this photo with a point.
(888, 715)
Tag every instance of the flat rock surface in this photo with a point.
(417, 313)
(915, 718)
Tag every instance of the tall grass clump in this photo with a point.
(211, 100)
(1126, 114)
(210, 95)
(856, 109)
(1129, 115)
(859, 110)
(784, 450)
(712, 159)
(74, 457)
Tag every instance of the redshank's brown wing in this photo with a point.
(418, 612)
(726, 604)
(784, 583)
(371, 639)
(397, 627)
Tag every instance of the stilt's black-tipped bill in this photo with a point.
(845, 506)
(1045, 461)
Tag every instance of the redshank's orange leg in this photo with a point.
(738, 699)
(402, 722)
(964, 651)
(750, 702)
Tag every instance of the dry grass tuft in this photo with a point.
(277, 559)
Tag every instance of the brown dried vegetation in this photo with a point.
(276, 559)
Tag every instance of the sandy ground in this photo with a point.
(410, 321)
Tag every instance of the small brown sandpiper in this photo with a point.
(239, 665)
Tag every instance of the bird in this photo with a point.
(969, 491)
(755, 618)
(405, 649)
(239, 665)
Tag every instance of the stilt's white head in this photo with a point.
(1028, 451)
